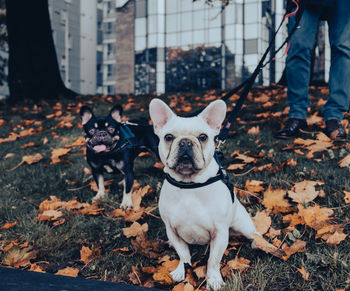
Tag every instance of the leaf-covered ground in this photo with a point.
(297, 191)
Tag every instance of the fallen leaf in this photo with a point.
(69, 271)
(29, 159)
(345, 162)
(80, 141)
(56, 154)
(275, 201)
(29, 144)
(19, 257)
(183, 287)
(336, 238)
(347, 197)
(158, 165)
(254, 185)
(8, 225)
(235, 167)
(163, 276)
(262, 221)
(254, 130)
(298, 246)
(49, 215)
(142, 245)
(267, 247)
(135, 229)
(36, 268)
(304, 273)
(305, 191)
(201, 272)
(87, 254)
(240, 264)
(138, 194)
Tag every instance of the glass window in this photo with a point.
(140, 43)
(199, 36)
(214, 17)
(171, 23)
(152, 24)
(229, 31)
(197, 5)
(214, 35)
(239, 46)
(251, 13)
(199, 19)
(186, 21)
(239, 13)
(171, 39)
(171, 6)
(186, 5)
(141, 9)
(239, 31)
(140, 27)
(251, 31)
(186, 38)
(152, 7)
(152, 40)
(231, 46)
(229, 14)
(250, 46)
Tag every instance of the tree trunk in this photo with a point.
(33, 67)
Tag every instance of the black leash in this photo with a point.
(248, 83)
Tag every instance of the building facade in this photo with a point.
(190, 45)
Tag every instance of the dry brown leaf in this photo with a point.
(12, 137)
(246, 159)
(80, 141)
(291, 162)
(262, 221)
(135, 229)
(267, 247)
(200, 271)
(8, 225)
(56, 154)
(29, 144)
(233, 167)
(275, 201)
(146, 247)
(183, 287)
(240, 264)
(254, 130)
(49, 215)
(304, 273)
(254, 185)
(36, 268)
(9, 155)
(336, 238)
(163, 276)
(29, 159)
(27, 132)
(68, 271)
(305, 191)
(170, 265)
(2, 121)
(87, 255)
(347, 197)
(298, 246)
(19, 257)
(345, 162)
(138, 194)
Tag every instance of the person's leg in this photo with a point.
(298, 63)
(339, 83)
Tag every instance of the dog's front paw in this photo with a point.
(179, 273)
(215, 282)
(98, 197)
(126, 202)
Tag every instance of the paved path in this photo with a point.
(13, 280)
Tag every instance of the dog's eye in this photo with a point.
(92, 131)
(203, 137)
(169, 137)
(111, 129)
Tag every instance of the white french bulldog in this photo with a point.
(202, 215)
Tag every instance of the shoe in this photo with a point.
(291, 128)
(335, 130)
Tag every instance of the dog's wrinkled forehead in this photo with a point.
(187, 126)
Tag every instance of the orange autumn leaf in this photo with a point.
(305, 191)
(275, 201)
(187, 108)
(29, 159)
(138, 194)
(129, 214)
(347, 197)
(29, 144)
(135, 229)
(163, 276)
(27, 132)
(158, 165)
(68, 271)
(298, 246)
(246, 159)
(233, 167)
(49, 215)
(304, 273)
(19, 257)
(267, 247)
(36, 268)
(345, 162)
(80, 141)
(240, 264)
(336, 238)
(12, 137)
(201, 271)
(57, 153)
(262, 221)
(254, 185)
(254, 130)
(2, 121)
(183, 287)
(8, 225)
(87, 254)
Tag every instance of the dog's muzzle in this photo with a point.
(185, 157)
(102, 141)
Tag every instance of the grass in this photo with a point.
(23, 189)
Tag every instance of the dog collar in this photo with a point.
(220, 176)
(192, 185)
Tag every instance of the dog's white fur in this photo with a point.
(202, 215)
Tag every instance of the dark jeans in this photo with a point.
(299, 61)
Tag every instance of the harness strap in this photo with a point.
(221, 175)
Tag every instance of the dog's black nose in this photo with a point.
(185, 143)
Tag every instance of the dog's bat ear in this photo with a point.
(116, 113)
(86, 114)
(214, 114)
(160, 114)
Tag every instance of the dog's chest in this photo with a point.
(196, 214)
(108, 165)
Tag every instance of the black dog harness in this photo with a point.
(221, 175)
